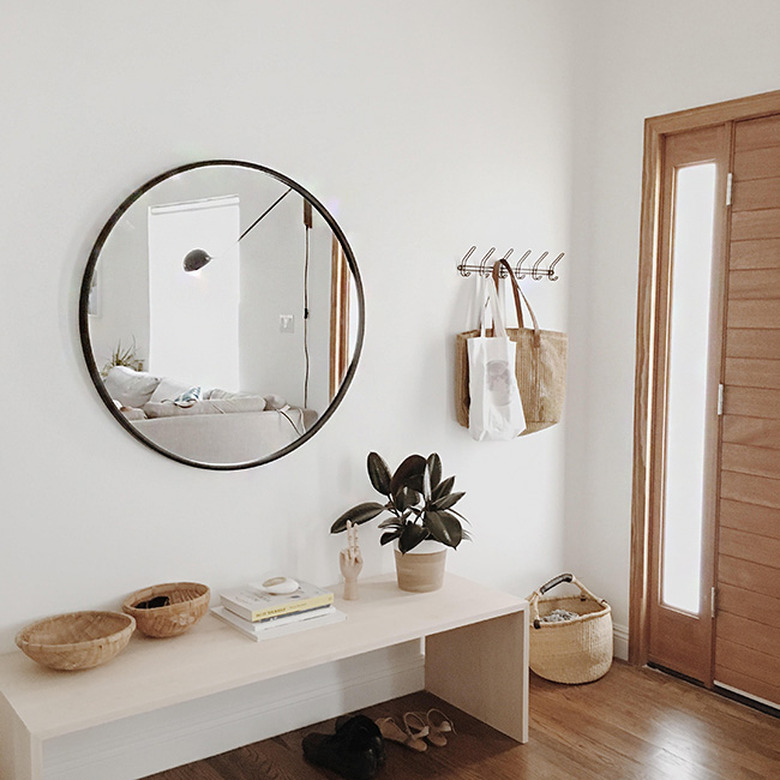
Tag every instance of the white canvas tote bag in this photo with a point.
(496, 411)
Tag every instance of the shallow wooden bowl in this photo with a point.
(169, 609)
(76, 640)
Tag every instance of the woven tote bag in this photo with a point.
(540, 366)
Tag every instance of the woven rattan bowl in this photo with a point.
(169, 609)
(76, 640)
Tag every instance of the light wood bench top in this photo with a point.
(212, 657)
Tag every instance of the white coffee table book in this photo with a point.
(283, 626)
(475, 646)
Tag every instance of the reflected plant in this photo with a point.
(123, 357)
(419, 501)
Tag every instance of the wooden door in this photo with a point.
(747, 633)
(743, 491)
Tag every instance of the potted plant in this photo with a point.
(420, 504)
(123, 357)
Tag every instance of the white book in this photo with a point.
(281, 626)
(282, 620)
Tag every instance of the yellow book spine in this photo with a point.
(326, 599)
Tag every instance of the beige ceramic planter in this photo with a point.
(422, 569)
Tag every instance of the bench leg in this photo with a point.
(21, 754)
(482, 669)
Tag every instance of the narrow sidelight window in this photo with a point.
(689, 319)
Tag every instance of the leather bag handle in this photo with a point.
(518, 294)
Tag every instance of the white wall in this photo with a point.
(423, 127)
(635, 60)
(273, 284)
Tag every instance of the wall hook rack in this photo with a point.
(485, 268)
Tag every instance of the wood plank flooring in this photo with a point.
(631, 724)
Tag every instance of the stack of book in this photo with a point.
(262, 615)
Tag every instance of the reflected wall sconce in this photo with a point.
(195, 259)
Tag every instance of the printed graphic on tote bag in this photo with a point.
(499, 382)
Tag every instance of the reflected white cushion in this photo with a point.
(275, 402)
(217, 392)
(167, 390)
(131, 388)
(133, 414)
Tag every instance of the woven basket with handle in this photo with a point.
(572, 651)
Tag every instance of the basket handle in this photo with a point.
(533, 601)
(550, 584)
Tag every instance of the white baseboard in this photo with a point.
(620, 641)
(144, 744)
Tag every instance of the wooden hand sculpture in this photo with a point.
(351, 563)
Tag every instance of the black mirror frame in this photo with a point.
(86, 284)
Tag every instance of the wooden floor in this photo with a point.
(633, 723)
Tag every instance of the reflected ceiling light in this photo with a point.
(195, 259)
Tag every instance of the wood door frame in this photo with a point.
(339, 318)
(677, 639)
(646, 371)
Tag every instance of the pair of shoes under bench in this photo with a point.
(355, 751)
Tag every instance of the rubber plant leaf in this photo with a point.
(391, 522)
(445, 502)
(409, 474)
(444, 527)
(434, 467)
(389, 536)
(411, 536)
(405, 498)
(359, 514)
(443, 488)
(379, 473)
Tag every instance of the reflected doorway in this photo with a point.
(194, 317)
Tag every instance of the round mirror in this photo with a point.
(221, 314)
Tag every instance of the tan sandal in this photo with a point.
(438, 725)
(411, 735)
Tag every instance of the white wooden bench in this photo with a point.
(476, 658)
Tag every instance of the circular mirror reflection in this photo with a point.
(221, 314)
